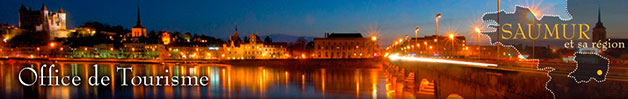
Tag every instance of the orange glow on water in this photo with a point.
(261, 82)
(323, 80)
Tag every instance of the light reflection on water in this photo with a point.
(224, 81)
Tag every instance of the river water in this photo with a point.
(292, 79)
(225, 81)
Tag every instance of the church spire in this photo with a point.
(599, 31)
(599, 23)
(236, 30)
(235, 38)
(139, 22)
(599, 18)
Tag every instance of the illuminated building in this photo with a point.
(85, 31)
(43, 20)
(254, 49)
(184, 52)
(434, 45)
(345, 45)
(7, 32)
(165, 38)
(234, 39)
(451, 46)
(141, 50)
(615, 46)
(138, 30)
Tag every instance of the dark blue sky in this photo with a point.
(388, 19)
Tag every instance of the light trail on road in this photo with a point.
(436, 60)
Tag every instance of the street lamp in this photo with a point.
(52, 44)
(451, 36)
(416, 32)
(437, 17)
(479, 33)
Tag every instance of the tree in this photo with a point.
(246, 39)
(153, 37)
(301, 40)
(268, 40)
(104, 33)
(187, 36)
(176, 36)
(309, 45)
(30, 38)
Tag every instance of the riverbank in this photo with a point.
(301, 63)
(310, 63)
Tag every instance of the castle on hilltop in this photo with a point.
(44, 21)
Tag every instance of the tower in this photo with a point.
(61, 16)
(44, 20)
(599, 31)
(235, 38)
(253, 38)
(138, 30)
(56, 24)
(44, 16)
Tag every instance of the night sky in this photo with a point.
(388, 19)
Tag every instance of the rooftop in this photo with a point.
(344, 35)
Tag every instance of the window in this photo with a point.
(319, 54)
(344, 54)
